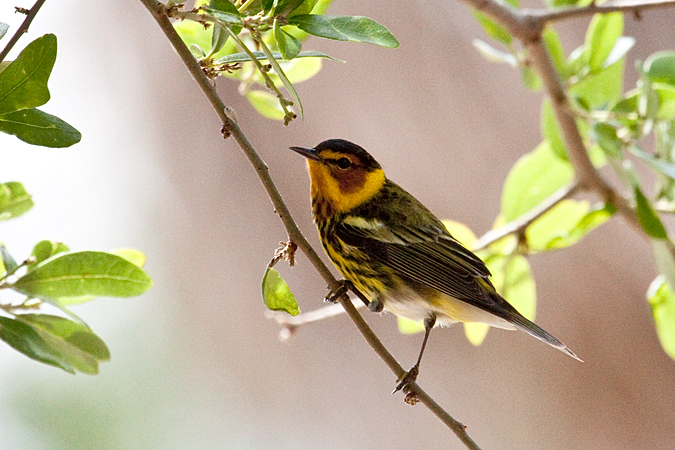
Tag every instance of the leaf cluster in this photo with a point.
(23, 87)
(52, 275)
(616, 126)
(259, 43)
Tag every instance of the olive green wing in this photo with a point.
(432, 257)
(427, 255)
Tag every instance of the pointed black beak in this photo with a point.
(308, 153)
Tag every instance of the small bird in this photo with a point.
(397, 255)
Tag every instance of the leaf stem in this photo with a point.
(268, 81)
(277, 68)
(23, 28)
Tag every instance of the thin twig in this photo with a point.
(543, 16)
(290, 323)
(521, 223)
(158, 11)
(23, 28)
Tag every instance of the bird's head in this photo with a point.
(342, 173)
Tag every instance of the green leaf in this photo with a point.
(14, 200)
(285, 7)
(628, 104)
(84, 273)
(3, 29)
(194, 34)
(132, 255)
(9, 265)
(593, 219)
(23, 83)
(556, 223)
(75, 343)
(662, 300)
(602, 35)
(605, 136)
(551, 131)
(407, 326)
(556, 52)
(225, 6)
(603, 87)
(666, 101)
(225, 17)
(660, 67)
(492, 54)
(666, 168)
(26, 339)
(243, 57)
(565, 224)
(276, 293)
(218, 38)
(36, 127)
(44, 250)
(519, 288)
(648, 218)
(306, 7)
(266, 104)
(267, 5)
(533, 178)
(494, 30)
(288, 45)
(345, 28)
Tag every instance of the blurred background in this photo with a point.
(195, 363)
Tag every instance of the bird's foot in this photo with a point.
(406, 384)
(341, 289)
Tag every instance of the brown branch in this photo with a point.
(630, 6)
(23, 28)
(588, 176)
(159, 12)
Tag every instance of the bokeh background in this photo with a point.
(195, 363)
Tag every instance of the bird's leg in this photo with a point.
(346, 285)
(410, 376)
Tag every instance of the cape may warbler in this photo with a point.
(395, 253)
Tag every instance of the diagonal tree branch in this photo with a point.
(23, 28)
(230, 127)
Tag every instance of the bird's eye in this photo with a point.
(344, 163)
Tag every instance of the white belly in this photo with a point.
(448, 310)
